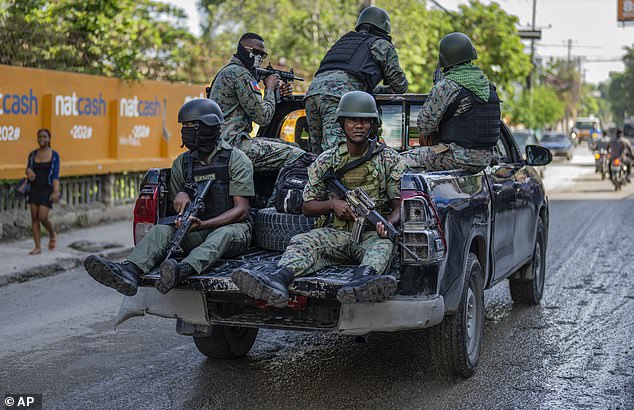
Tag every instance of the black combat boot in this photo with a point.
(270, 287)
(122, 277)
(367, 286)
(172, 272)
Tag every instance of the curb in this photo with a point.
(59, 266)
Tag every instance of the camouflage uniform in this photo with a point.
(322, 97)
(236, 91)
(204, 246)
(379, 177)
(444, 156)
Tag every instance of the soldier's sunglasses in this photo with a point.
(255, 51)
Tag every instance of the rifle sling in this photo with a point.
(372, 149)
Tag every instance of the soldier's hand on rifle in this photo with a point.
(180, 202)
(381, 230)
(196, 223)
(272, 81)
(342, 209)
(286, 89)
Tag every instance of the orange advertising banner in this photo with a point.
(98, 124)
(625, 10)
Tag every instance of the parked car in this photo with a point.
(558, 143)
(470, 231)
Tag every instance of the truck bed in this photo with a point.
(217, 279)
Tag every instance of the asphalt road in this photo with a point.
(574, 351)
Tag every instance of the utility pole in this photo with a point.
(531, 76)
(569, 51)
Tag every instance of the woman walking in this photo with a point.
(43, 173)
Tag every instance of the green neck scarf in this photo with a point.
(470, 77)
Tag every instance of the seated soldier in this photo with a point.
(359, 163)
(223, 228)
(459, 123)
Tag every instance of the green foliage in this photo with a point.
(535, 109)
(620, 89)
(128, 39)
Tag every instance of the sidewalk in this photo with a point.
(113, 241)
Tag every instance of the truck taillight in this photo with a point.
(422, 231)
(145, 212)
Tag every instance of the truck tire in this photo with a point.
(456, 342)
(226, 342)
(274, 230)
(528, 289)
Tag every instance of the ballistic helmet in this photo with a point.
(376, 17)
(357, 104)
(455, 48)
(203, 110)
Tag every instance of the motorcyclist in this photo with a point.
(621, 148)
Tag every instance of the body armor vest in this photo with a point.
(477, 128)
(366, 176)
(351, 53)
(218, 199)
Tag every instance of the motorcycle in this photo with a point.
(617, 173)
(601, 163)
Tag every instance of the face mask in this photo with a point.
(189, 136)
(207, 138)
(245, 56)
(257, 60)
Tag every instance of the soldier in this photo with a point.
(357, 61)
(459, 123)
(223, 228)
(235, 88)
(378, 171)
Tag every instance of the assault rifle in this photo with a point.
(363, 208)
(194, 209)
(285, 76)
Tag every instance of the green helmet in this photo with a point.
(455, 48)
(375, 16)
(203, 110)
(357, 104)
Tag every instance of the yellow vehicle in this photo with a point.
(584, 131)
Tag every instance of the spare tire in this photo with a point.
(274, 230)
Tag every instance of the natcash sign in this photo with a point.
(71, 105)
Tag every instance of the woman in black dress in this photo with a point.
(43, 173)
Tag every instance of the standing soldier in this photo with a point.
(360, 163)
(459, 123)
(235, 88)
(357, 61)
(223, 228)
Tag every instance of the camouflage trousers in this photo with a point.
(205, 247)
(325, 132)
(267, 155)
(322, 247)
(448, 156)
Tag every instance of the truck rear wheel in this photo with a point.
(456, 342)
(226, 342)
(273, 230)
(528, 289)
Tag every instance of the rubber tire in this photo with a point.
(227, 342)
(455, 352)
(530, 291)
(273, 230)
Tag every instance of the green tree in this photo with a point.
(620, 89)
(124, 38)
(535, 108)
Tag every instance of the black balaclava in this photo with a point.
(249, 59)
(201, 140)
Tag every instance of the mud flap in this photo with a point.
(187, 305)
(400, 313)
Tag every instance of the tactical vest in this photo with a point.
(368, 177)
(477, 128)
(351, 53)
(217, 200)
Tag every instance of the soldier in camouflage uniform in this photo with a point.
(459, 123)
(235, 88)
(357, 61)
(222, 229)
(379, 174)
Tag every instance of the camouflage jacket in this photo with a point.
(336, 83)
(386, 170)
(236, 91)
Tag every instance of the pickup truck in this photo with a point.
(470, 231)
